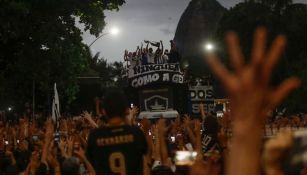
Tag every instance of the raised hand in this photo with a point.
(132, 115)
(251, 97)
(146, 125)
(134, 111)
(87, 115)
(80, 153)
(248, 86)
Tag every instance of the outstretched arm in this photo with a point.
(141, 47)
(147, 47)
(126, 55)
(163, 148)
(81, 154)
(162, 48)
(48, 139)
(202, 111)
(88, 117)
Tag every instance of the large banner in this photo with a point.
(147, 74)
(201, 94)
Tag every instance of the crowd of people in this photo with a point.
(147, 55)
(116, 142)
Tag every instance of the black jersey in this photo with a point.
(117, 150)
(209, 134)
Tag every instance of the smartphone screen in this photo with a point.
(35, 138)
(56, 137)
(6, 142)
(173, 139)
(184, 158)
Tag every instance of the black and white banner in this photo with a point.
(153, 73)
(201, 94)
(156, 99)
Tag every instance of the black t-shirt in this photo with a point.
(209, 134)
(117, 150)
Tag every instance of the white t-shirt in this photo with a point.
(133, 61)
(164, 59)
(151, 58)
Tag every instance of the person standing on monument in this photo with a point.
(174, 56)
(150, 54)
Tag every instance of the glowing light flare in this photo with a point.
(114, 31)
(209, 47)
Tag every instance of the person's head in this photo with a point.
(166, 51)
(134, 54)
(211, 125)
(12, 170)
(150, 50)
(115, 103)
(70, 167)
(162, 170)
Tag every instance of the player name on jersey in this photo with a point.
(115, 140)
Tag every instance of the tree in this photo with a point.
(40, 44)
(110, 73)
(289, 19)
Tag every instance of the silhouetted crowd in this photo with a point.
(146, 55)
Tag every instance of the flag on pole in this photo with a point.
(56, 108)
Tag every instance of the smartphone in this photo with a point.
(56, 136)
(6, 142)
(35, 138)
(296, 158)
(173, 139)
(185, 158)
(131, 105)
(17, 141)
(183, 161)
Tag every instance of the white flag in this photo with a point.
(56, 108)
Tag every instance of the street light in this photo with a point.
(209, 47)
(114, 31)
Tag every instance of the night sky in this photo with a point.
(137, 20)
